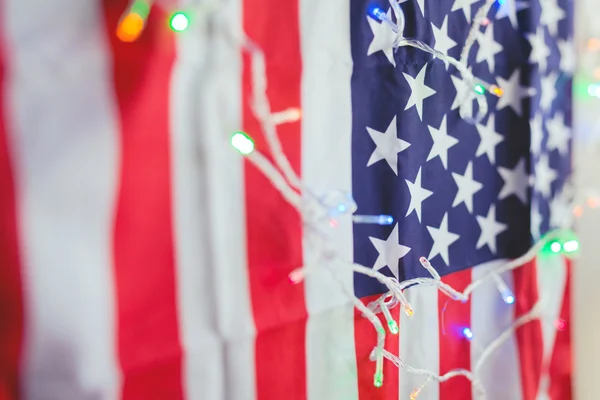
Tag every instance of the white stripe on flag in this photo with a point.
(220, 114)
(203, 352)
(490, 316)
(61, 118)
(551, 277)
(326, 165)
(419, 341)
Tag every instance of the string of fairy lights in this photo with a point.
(319, 214)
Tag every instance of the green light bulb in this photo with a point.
(556, 247)
(179, 22)
(479, 88)
(393, 326)
(378, 380)
(242, 143)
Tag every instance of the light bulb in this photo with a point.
(373, 219)
(242, 143)
(296, 276)
(376, 12)
(467, 333)
(378, 379)
(179, 22)
(393, 327)
(479, 88)
(556, 247)
(496, 90)
(571, 246)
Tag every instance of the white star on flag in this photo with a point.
(489, 139)
(387, 146)
(441, 143)
(560, 214)
(539, 49)
(510, 8)
(514, 93)
(558, 134)
(442, 239)
(536, 220)
(443, 42)
(465, 6)
(417, 195)
(548, 90)
(516, 181)
(383, 38)
(418, 91)
(551, 14)
(390, 252)
(488, 47)
(464, 92)
(490, 229)
(567, 55)
(537, 133)
(544, 176)
(467, 187)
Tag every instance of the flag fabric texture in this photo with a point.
(142, 258)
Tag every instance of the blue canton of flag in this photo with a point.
(461, 193)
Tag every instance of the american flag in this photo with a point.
(142, 258)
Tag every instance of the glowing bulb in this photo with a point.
(133, 21)
(378, 379)
(509, 299)
(130, 28)
(377, 13)
(571, 246)
(578, 211)
(408, 311)
(414, 394)
(296, 276)
(594, 90)
(179, 22)
(594, 44)
(242, 143)
(373, 219)
(560, 324)
(556, 247)
(393, 327)
(501, 2)
(497, 91)
(467, 333)
(479, 88)
(592, 202)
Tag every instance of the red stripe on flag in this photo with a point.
(365, 339)
(150, 353)
(561, 366)
(529, 336)
(455, 349)
(273, 227)
(11, 302)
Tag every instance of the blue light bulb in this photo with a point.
(376, 13)
(467, 333)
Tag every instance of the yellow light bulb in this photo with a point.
(130, 27)
(415, 394)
